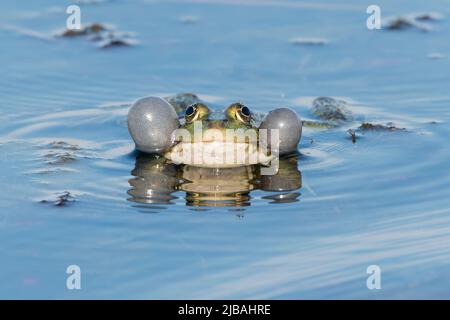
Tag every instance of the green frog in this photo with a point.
(202, 137)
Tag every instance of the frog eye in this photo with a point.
(190, 111)
(243, 113)
(237, 111)
(197, 111)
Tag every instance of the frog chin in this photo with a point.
(217, 154)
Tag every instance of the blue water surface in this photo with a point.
(384, 200)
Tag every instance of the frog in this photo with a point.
(204, 137)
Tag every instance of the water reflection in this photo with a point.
(284, 184)
(156, 183)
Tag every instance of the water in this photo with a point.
(383, 200)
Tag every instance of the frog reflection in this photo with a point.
(157, 183)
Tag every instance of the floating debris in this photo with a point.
(309, 41)
(113, 40)
(400, 23)
(352, 134)
(114, 43)
(367, 126)
(97, 32)
(427, 16)
(103, 34)
(61, 199)
(331, 109)
(89, 29)
(413, 20)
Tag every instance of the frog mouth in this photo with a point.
(218, 154)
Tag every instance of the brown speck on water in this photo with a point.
(86, 30)
(96, 27)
